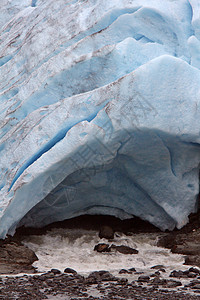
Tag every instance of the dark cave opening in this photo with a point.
(94, 222)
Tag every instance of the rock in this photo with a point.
(124, 249)
(132, 269)
(162, 270)
(108, 277)
(192, 283)
(173, 283)
(123, 281)
(166, 241)
(98, 276)
(157, 273)
(16, 258)
(194, 270)
(102, 248)
(154, 275)
(124, 271)
(157, 267)
(192, 275)
(197, 286)
(106, 232)
(91, 280)
(17, 253)
(165, 282)
(192, 260)
(186, 249)
(69, 270)
(183, 274)
(185, 241)
(143, 278)
(11, 268)
(176, 274)
(73, 287)
(158, 281)
(55, 271)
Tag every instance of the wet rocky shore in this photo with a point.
(100, 285)
(130, 283)
(185, 241)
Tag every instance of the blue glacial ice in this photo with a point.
(99, 111)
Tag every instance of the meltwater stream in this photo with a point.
(74, 248)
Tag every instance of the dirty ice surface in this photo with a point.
(99, 110)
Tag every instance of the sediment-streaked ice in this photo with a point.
(99, 111)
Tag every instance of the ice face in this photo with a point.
(99, 111)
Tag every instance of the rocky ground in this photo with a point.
(128, 284)
(185, 241)
(100, 285)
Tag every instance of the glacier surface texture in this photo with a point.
(99, 110)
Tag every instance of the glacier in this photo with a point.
(99, 110)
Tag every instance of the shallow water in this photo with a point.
(74, 248)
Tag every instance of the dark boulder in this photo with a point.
(132, 269)
(187, 249)
(70, 271)
(102, 248)
(106, 232)
(124, 249)
(193, 260)
(124, 271)
(158, 281)
(194, 270)
(55, 271)
(173, 283)
(15, 257)
(98, 276)
(157, 267)
(183, 274)
(17, 253)
(143, 278)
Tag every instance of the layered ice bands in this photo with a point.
(99, 110)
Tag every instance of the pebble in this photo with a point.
(55, 271)
(143, 278)
(124, 271)
(69, 270)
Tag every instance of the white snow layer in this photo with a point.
(99, 110)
